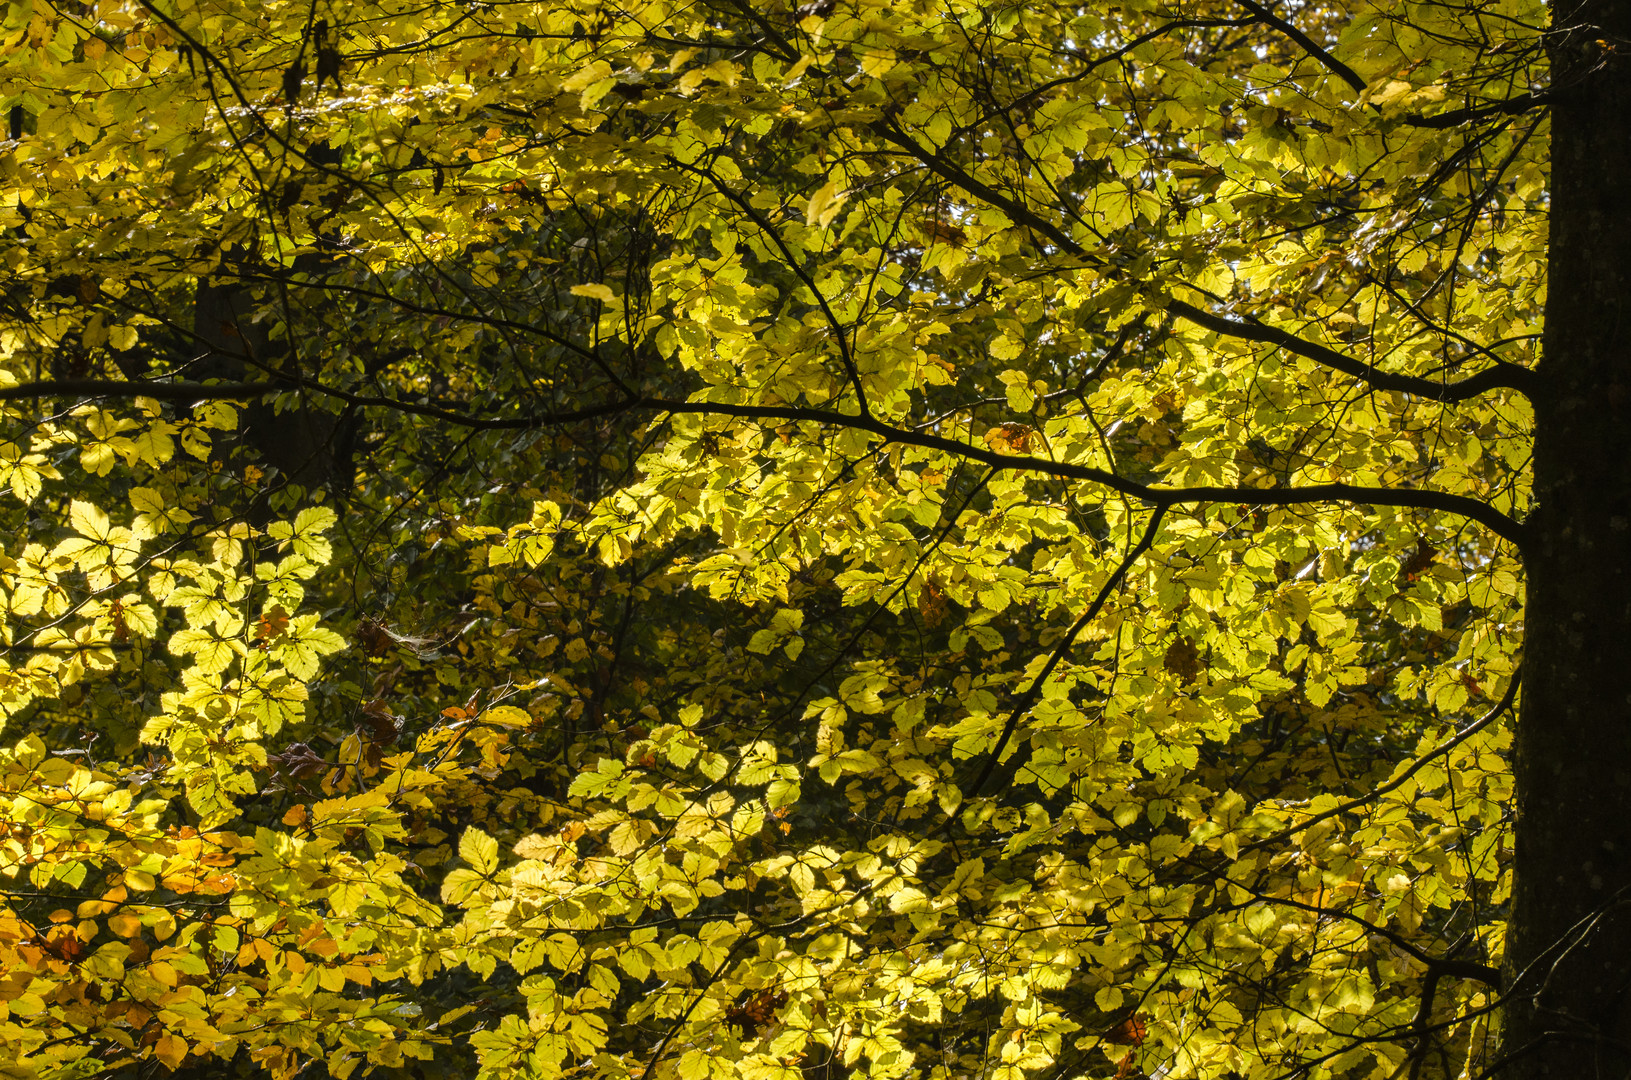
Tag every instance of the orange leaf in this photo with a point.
(1130, 1032)
(274, 624)
(170, 1049)
(1009, 438)
(943, 231)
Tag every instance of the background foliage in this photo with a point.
(705, 540)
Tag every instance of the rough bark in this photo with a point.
(1569, 945)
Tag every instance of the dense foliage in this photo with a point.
(654, 540)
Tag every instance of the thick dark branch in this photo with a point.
(115, 388)
(1016, 210)
(1437, 966)
(1502, 376)
(1308, 45)
(188, 392)
(1456, 117)
(1474, 509)
(1159, 497)
(1466, 969)
(785, 50)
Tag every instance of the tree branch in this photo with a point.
(1091, 65)
(1308, 45)
(1028, 699)
(1502, 376)
(1397, 782)
(702, 993)
(1507, 376)
(1437, 966)
(1160, 497)
(1474, 509)
(244, 391)
(1456, 117)
(765, 226)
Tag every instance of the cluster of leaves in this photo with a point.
(700, 541)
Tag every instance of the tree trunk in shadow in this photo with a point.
(306, 445)
(1568, 1012)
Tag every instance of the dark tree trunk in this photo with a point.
(1569, 942)
(306, 445)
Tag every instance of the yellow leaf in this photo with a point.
(220, 415)
(825, 204)
(89, 909)
(693, 1065)
(195, 442)
(877, 64)
(88, 520)
(507, 716)
(26, 1004)
(586, 77)
(479, 850)
(597, 292)
(797, 71)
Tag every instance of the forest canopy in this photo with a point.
(680, 541)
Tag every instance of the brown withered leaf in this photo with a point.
(373, 637)
(943, 231)
(64, 944)
(273, 625)
(1182, 659)
(383, 726)
(1009, 438)
(299, 761)
(1419, 560)
(755, 1011)
(931, 602)
(1130, 1032)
